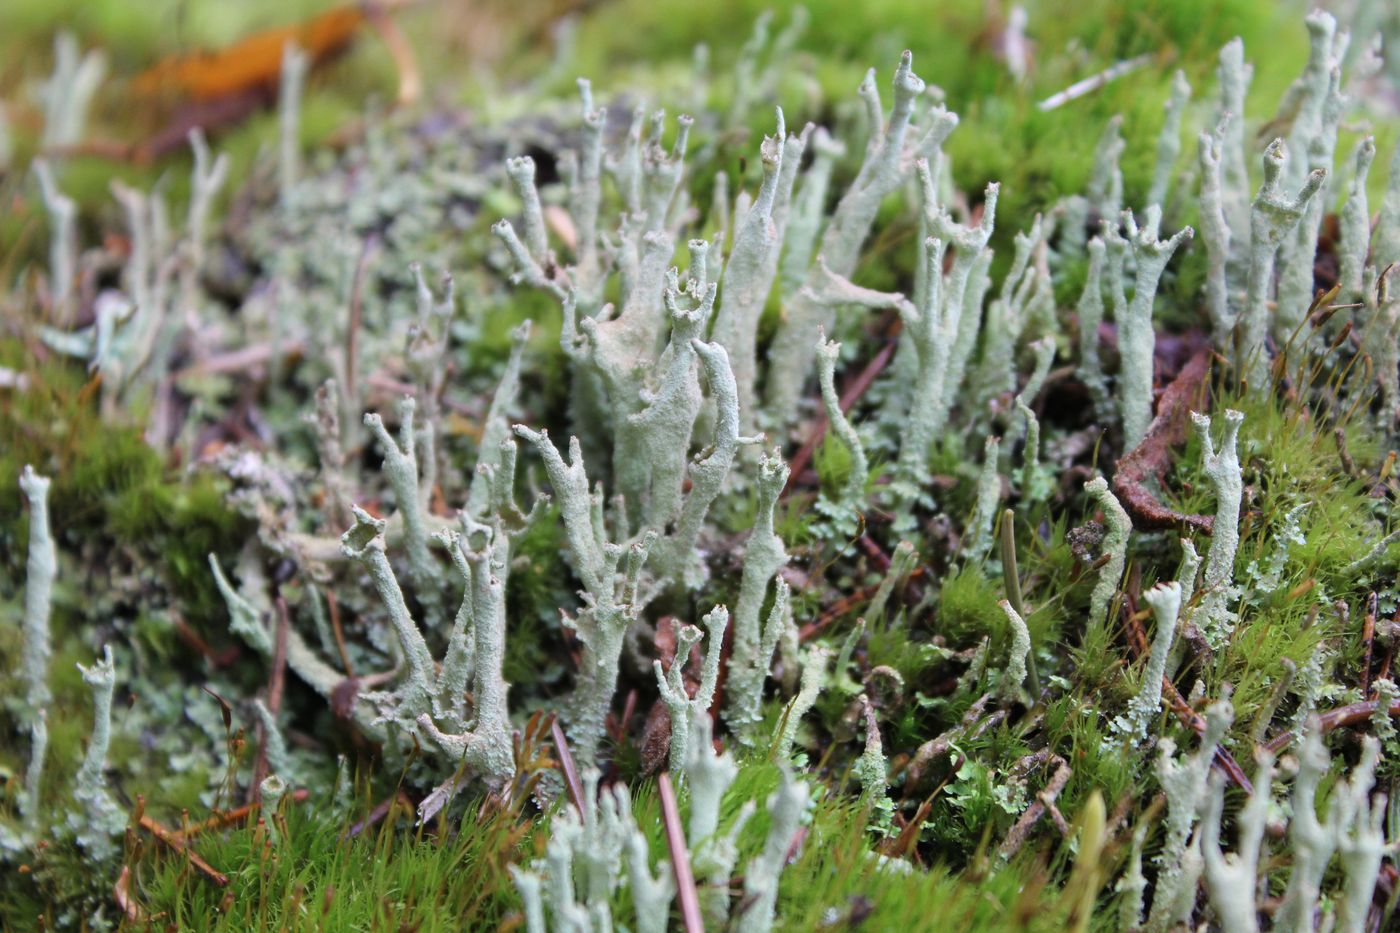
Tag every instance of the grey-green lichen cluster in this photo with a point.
(666, 500)
(1195, 803)
(595, 847)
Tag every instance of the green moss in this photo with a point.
(111, 492)
(535, 591)
(390, 876)
(967, 609)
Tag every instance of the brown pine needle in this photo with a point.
(680, 857)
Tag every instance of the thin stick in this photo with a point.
(1092, 83)
(1223, 759)
(1368, 637)
(836, 610)
(680, 857)
(190, 637)
(1348, 465)
(278, 679)
(221, 820)
(176, 842)
(379, 812)
(352, 334)
(877, 555)
(795, 847)
(238, 361)
(1336, 719)
(903, 844)
(333, 608)
(1044, 801)
(1137, 636)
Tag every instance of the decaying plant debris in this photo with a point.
(600, 518)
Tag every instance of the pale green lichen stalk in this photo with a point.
(1133, 884)
(1115, 546)
(1136, 334)
(482, 554)
(478, 645)
(1317, 115)
(496, 427)
(1169, 141)
(1361, 837)
(752, 263)
(1090, 314)
(814, 676)
(871, 769)
(401, 470)
(295, 63)
(1186, 572)
(671, 684)
(364, 542)
(841, 679)
(709, 775)
(1184, 782)
(1013, 678)
(1355, 223)
(936, 323)
(101, 818)
(1216, 235)
(1025, 292)
(1353, 828)
(1213, 616)
(67, 94)
(591, 853)
(787, 809)
(611, 576)
(652, 893)
(1165, 600)
(754, 641)
(1034, 485)
(63, 239)
(902, 563)
(979, 533)
(1313, 840)
(1272, 217)
(41, 569)
(278, 757)
(849, 501)
(1234, 76)
(1231, 879)
(887, 162)
(272, 789)
(1105, 188)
